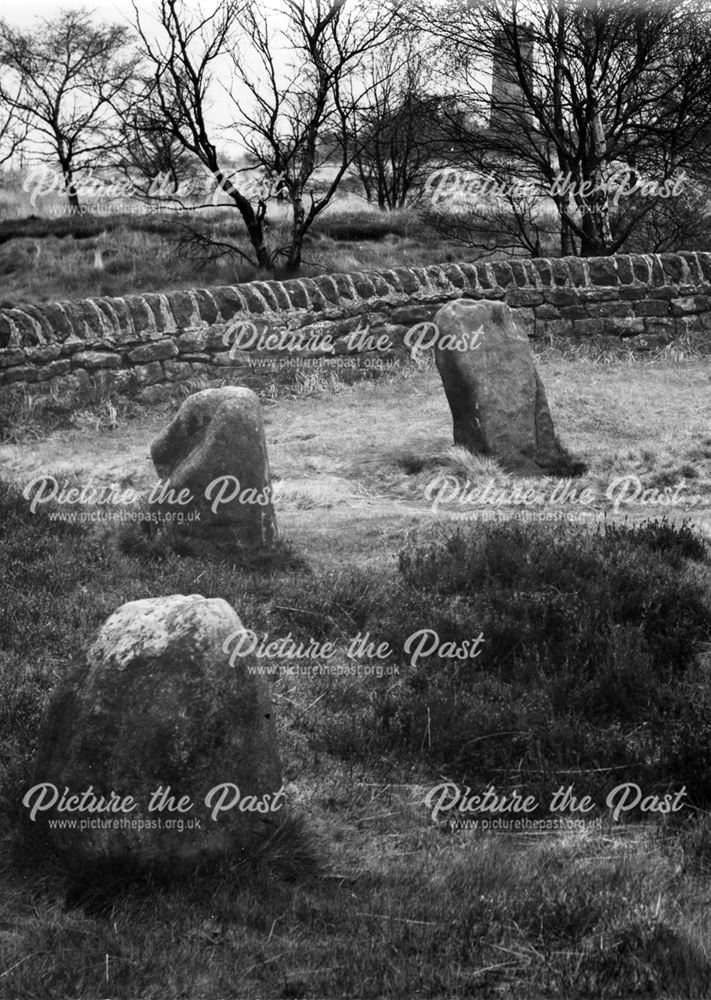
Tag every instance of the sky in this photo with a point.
(108, 11)
(221, 111)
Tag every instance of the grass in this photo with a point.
(47, 255)
(120, 258)
(367, 897)
(332, 442)
(593, 670)
(624, 414)
(28, 416)
(624, 927)
(49, 259)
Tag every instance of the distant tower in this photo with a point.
(507, 100)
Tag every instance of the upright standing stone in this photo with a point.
(216, 450)
(497, 399)
(162, 713)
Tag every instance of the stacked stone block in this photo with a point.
(146, 343)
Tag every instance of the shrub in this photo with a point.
(677, 542)
(590, 661)
(589, 638)
(358, 226)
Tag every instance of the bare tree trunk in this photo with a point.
(596, 220)
(293, 261)
(252, 220)
(69, 187)
(567, 245)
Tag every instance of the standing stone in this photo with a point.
(216, 450)
(157, 704)
(496, 396)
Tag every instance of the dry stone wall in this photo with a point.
(145, 343)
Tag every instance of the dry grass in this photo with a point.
(380, 442)
(403, 910)
(51, 268)
(371, 899)
(132, 251)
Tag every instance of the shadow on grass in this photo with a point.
(469, 466)
(139, 541)
(95, 885)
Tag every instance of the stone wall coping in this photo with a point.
(111, 323)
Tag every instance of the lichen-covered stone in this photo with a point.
(161, 702)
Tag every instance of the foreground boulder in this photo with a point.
(161, 749)
(497, 399)
(212, 459)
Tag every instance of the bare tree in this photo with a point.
(491, 215)
(395, 128)
(183, 55)
(150, 156)
(290, 99)
(591, 99)
(684, 223)
(300, 120)
(13, 132)
(64, 76)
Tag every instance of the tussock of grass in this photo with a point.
(600, 350)
(455, 461)
(452, 474)
(288, 855)
(322, 380)
(26, 416)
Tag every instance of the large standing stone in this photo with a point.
(215, 448)
(158, 705)
(497, 399)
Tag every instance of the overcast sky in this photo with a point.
(221, 110)
(108, 11)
